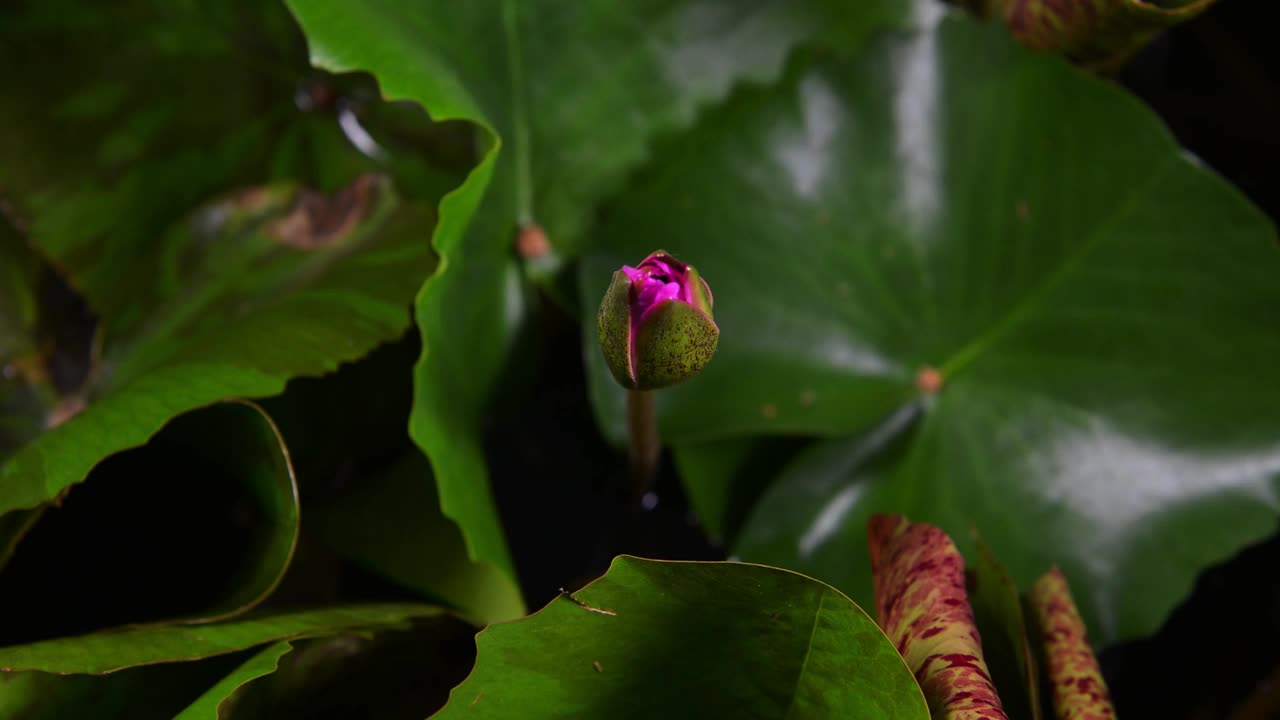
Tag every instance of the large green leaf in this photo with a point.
(223, 537)
(679, 639)
(394, 674)
(368, 493)
(233, 307)
(391, 524)
(570, 96)
(152, 692)
(210, 703)
(1006, 642)
(113, 650)
(725, 478)
(1100, 306)
(233, 299)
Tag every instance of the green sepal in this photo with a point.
(701, 291)
(674, 341)
(614, 323)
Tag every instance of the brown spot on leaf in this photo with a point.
(769, 411)
(928, 380)
(532, 243)
(318, 220)
(808, 398)
(1024, 212)
(596, 664)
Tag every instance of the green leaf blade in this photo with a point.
(562, 133)
(113, 650)
(227, 334)
(693, 640)
(207, 286)
(1101, 328)
(393, 526)
(209, 704)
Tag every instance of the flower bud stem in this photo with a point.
(642, 423)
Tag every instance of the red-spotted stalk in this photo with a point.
(922, 606)
(1079, 692)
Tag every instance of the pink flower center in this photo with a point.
(653, 283)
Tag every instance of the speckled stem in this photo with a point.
(922, 606)
(642, 424)
(1079, 692)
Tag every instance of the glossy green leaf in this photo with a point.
(368, 493)
(1101, 309)
(723, 479)
(152, 692)
(233, 445)
(680, 639)
(235, 304)
(239, 440)
(401, 674)
(113, 650)
(570, 97)
(105, 163)
(209, 705)
(997, 610)
(392, 524)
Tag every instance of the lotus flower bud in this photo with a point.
(656, 327)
